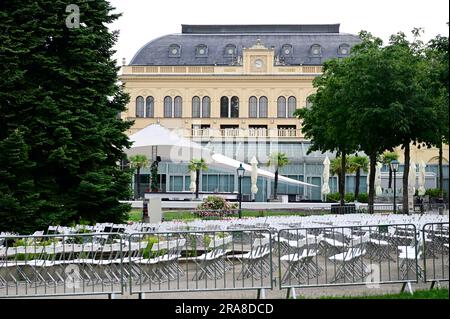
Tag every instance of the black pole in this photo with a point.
(240, 196)
(395, 186)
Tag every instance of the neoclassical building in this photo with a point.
(235, 88)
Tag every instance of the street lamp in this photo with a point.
(394, 167)
(240, 173)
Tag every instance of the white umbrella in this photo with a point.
(412, 178)
(378, 190)
(421, 190)
(254, 175)
(326, 176)
(193, 181)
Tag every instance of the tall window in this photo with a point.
(253, 107)
(167, 106)
(309, 103)
(206, 107)
(178, 107)
(150, 107)
(292, 106)
(229, 107)
(195, 107)
(139, 106)
(263, 107)
(234, 107)
(256, 109)
(281, 107)
(224, 102)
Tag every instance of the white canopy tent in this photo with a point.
(172, 147)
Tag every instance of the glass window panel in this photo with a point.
(235, 107)
(206, 107)
(292, 106)
(224, 106)
(281, 107)
(139, 106)
(263, 107)
(196, 107)
(177, 109)
(252, 107)
(187, 183)
(176, 183)
(213, 183)
(167, 106)
(149, 107)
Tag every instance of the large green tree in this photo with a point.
(59, 86)
(326, 122)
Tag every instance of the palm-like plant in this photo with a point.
(336, 169)
(197, 165)
(386, 159)
(277, 160)
(138, 162)
(358, 163)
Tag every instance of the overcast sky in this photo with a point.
(145, 20)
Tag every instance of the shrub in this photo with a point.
(349, 197)
(333, 197)
(215, 206)
(363, 198)
(433, 192)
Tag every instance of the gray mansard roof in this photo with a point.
(216, 38)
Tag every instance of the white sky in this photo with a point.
(145, 20)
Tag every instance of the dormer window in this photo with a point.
(316, 50)
(174, 51)
(344, 49)
(230, 49)
(201, 51)
(286, 50)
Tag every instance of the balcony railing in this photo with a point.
(251, 133)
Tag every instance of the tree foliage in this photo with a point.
(59, 88)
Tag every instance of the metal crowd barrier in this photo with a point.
(344, 256)
(200, 261)
(242, 258)
(58, 265)
(435, 252)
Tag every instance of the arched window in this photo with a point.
(150, 107)
(281, 107)
(234, 112)
(167, 106)
(178, 107)
(292, 106)
(253, 107)
(139, 106)
(174, 51)
(309, 103)
(224, 101)
(286, 50)
(263, 107)
(196, 107)
(230, 49)
(344, 49)
(201, 50)
(316, 50)
(206, 106)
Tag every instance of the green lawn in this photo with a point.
(419, 294)
(135, 215)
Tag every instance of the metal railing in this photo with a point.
(435, 252)
(344, 256)
(200, 260)
(58, 265)
(240, 257)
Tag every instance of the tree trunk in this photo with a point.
(390, 177)
(441, 173)
(138, 181)
(358, 175)
(197, 183)
(275, 187)
(373, 163)
(405, 178)
(342, 180)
